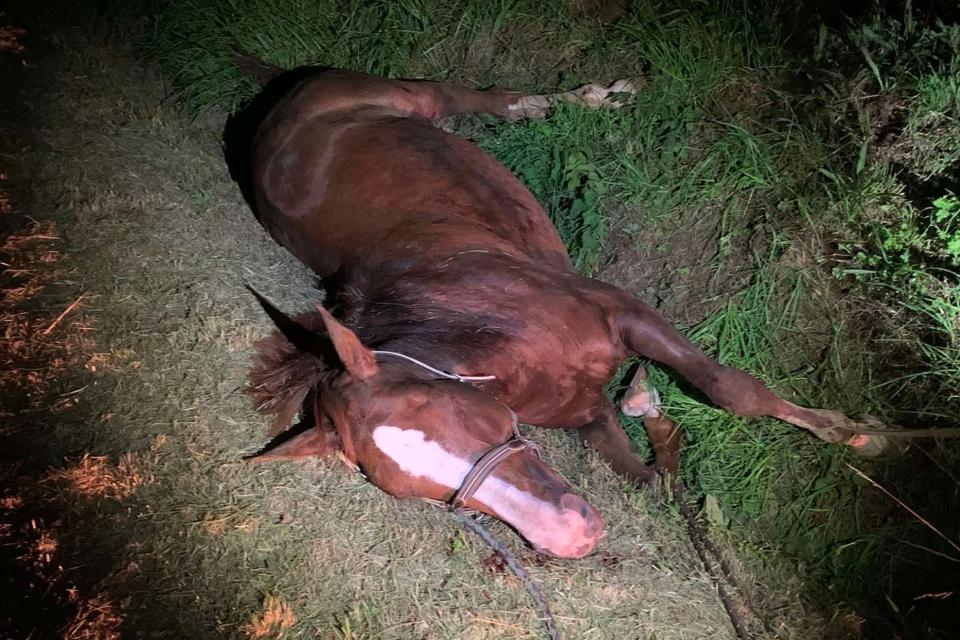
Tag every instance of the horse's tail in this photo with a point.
(262, 72)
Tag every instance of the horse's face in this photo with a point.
(419, 438)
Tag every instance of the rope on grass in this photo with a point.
(546, 615)
(702, 545)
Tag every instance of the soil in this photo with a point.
(125, 507)
(679, 266)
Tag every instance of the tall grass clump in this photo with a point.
(475, 41)
(193, 40)
(899, 222)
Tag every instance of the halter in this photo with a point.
(434, 370)
(483, 467)
(489, 461)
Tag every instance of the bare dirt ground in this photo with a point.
(125, 508)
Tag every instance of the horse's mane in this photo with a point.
(293, 360)
(416, 310)
(282, 375)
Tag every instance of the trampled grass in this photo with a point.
(843, 149)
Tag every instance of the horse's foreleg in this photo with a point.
(606, 436)
(645, 332)
(642, 401)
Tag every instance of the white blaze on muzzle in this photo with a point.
(563, 532)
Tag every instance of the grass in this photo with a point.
(842, 158)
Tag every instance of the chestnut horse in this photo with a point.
(434, 254)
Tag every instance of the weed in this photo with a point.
(272, 621)
(359, 623)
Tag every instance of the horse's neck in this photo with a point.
(466, 311)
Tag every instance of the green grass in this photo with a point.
(850, 149)
(769, 480)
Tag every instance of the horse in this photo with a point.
(458, 311)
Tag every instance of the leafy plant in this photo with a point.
(912, 250)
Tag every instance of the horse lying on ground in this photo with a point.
(460, 312)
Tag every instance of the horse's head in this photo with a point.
(413, 435)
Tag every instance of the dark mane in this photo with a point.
(419, 311)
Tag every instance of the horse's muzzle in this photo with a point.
(577, 530)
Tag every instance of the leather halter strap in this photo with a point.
(488, 462)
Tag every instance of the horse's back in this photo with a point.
(354, 185)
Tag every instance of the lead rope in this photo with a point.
(546, 615)
(434, 370)
(702, 545)
(465, 521)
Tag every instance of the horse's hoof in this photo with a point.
(655, 484)
(642, 398)
(869, 445)
(625, 88)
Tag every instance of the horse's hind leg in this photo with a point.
(647, 333)
(439, 99)
(589, 95)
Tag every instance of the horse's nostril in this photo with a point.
(571, 502)
(592, 522)
(594, 526)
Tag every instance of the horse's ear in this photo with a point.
(356, 358)
(304, 338)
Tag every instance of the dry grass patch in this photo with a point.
(5, 206)
(217, 524)
(9, 503)
(96, 619)
(24, 251)
(113, 360)
(46, 546)
(272, 620)
(237, 336)
(95, 477)
(38, 346)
